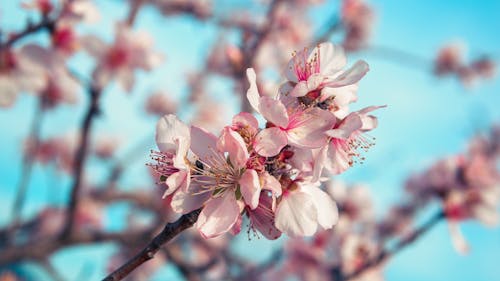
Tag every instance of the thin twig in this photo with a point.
(45, 23)
(168, 233)
(51, 270)
(402, 244)
(27, 164)
(81, 156)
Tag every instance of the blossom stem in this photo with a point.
(27, 164)
(45, 23)
(168, 233)
(400, 245)
(81, 156)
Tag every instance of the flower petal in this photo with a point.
(244, 119)
(308, 129)
(253, 95)
(218, 216)
(168, 129)
(296, 214)
(332, 58)
(232, 143)
(250, 188)
(270, 141)
(174, 181)
(273, 111)
(350, 76)
(186, 201)
(328, 214)
(203, 144)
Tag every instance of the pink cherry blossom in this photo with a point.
(19, 72)
(321, 68)
(130, 51)
(294, 126)
(304, 209)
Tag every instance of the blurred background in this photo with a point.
(428, 116)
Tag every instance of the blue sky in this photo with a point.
(426, 118)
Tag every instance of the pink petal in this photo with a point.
(174, 181)
(218, 216)
(332, 58)
(262, 218)
(319, 163)
(350, 76)
(168, 129)
(186, 201)
(270, 141)
(203, 143)
(328, 214)
(250, 188)
(338, 159)
(296, 214)
(244, 119)
(253, 95)
(273, 111)
(272, 184)
(308, 129)
(300, 90)
(346, 127)
(457, 238)
(232, 143)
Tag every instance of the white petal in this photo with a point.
(296, 214)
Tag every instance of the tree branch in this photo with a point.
(45, 23)
(27, 164)
(81, 156)
(389, 253)
(168, 233)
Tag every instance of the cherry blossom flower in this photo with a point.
(160, 104)
(19, 72)
(130, 51)
(294, 126)
(304, 208)
(320, 68)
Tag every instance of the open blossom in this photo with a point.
(296, 126)
(320, 71)
(19, 72)
(130, 51)
(269, 174)
(160, 104)
(357, 18)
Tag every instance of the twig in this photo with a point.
(27, 164)
(330, 27)
(399, 56)
(168, 233)
(51, 270)
(403, 243)
(45, 23)
(135, 6)
(81, 156)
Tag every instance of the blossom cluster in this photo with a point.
(467, 185)
(272, 174)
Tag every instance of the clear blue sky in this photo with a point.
(426, 118)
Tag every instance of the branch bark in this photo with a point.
(168, 233)
(81, 156)
(402, 244)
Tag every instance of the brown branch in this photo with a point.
(135, 6)
(27, 164)
(45, 24)
(398, 56)
(39, 249)
(81, 156)
(389, 253)
(168, 233)
(333, 25)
